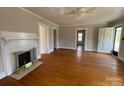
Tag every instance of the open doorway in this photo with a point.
(43, 38)
(117, 39)
(54, 38)
(80, 40)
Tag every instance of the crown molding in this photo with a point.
(101, 24)
(32, 13)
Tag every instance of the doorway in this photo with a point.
(117, 39)
(80, 40)
(43, 38)
(54, 39)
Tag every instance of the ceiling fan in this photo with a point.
(79, 11)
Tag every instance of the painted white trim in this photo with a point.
(120, 58)
(5, 49)
(67, 47)
(46, 38)
(90, 50)
(2, 75)
(120, 43)
(50, 51)
(101, 24)
(30, 12)
(104, 52)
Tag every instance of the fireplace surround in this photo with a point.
(16, 43)
(25, 58)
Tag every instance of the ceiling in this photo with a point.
(68, 16)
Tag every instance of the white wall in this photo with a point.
(67, 36)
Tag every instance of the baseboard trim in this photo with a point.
(90, 50)
(120, 58)
(2, 75)
(68, 48)
(50, 51)
(103, 52)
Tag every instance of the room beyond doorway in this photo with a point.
(80, 43)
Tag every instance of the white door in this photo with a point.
(105, 40)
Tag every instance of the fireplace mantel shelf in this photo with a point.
(18, 38)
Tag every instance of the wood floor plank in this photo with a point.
(66, 67)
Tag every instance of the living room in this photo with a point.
(61, 46)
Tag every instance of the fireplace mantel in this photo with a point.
(8, 36)
(25, 38)
(13, 42)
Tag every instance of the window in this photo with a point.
(80, 35)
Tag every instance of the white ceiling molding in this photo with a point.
(30, 12)
(102, 24)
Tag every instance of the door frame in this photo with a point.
(54, 39)
(76, 37)
(57, 37)
(47, 37)
(117, 53)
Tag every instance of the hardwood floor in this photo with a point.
(69, 67)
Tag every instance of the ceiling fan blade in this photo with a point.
(77, 11)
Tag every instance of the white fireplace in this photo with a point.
(12, 42)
